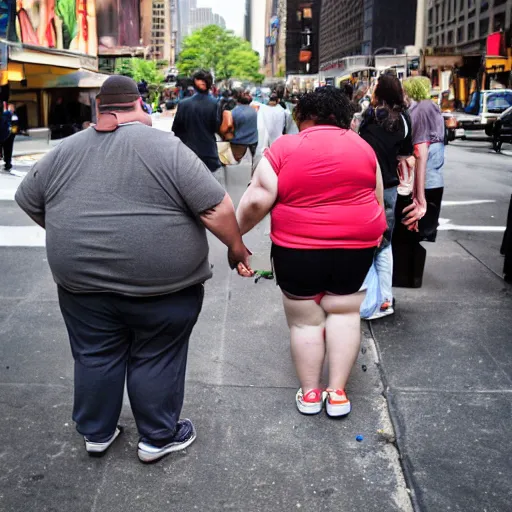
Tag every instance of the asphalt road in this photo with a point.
(255, 452)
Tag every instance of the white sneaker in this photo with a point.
(184, 436)
(310, 403)
(100, 449)
(337, 403)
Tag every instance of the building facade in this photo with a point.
(365, 27)
(303, 37)
(258, 27)
(201, 17)
(157, 30)
(463, 25)
(248, 20)
(341, 29)
(49, 57)
(275, 38)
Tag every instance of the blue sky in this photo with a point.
(232, 10)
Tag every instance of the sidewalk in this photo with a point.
(28, 146)
(254, 453)
(447, 361)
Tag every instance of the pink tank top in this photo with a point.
(326, 191)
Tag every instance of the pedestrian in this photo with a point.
(420, 195)
(8, 131)
(198, 120)
(323, 188)
(428, 138)
(227, 101)
(272, 121)
(245, 121)
(386, 126)
(130, 296)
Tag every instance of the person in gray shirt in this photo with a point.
(126, 208)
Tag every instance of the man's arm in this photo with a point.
(30, 195)
(416, 211)
(221, 221)
(259, 198)
(207, 200)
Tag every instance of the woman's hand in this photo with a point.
(243, 271)
(239, 258)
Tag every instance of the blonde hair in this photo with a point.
(418, 88)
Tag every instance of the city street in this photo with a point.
(439, 372)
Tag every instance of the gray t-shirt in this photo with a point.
(121, 211)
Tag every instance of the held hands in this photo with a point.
(239, 258)
(414, 213)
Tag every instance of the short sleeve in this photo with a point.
(30, 195)
(420, 126)
(195, 182)
(278, 152)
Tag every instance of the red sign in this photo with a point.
(496, 45)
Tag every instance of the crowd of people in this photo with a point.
(334, 199)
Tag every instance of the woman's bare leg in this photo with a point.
(343, 335)
(306, 320)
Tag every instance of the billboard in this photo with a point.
(118, 24)
(61, 24)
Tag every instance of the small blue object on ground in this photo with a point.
(359, 439)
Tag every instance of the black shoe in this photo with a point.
(100, 449)
(184, 436)
(7, 167)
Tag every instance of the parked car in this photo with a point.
(482, 112)
(502, 130)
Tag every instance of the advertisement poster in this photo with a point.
(118, 23)
(61, 24)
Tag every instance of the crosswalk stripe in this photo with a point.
(22, 236)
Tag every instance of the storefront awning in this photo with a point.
(81, 79)
(39, 76)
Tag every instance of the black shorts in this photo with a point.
(307, 273)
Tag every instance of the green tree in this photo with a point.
(140, 69)
(220, 51)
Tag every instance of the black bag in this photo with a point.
(409, 256)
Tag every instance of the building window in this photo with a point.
(499, 21)
(484, 7)
(430, 15)
(484, 27)
(499, 2)
(460, 34)
(471, 31)
(449, 37)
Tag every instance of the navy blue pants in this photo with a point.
(141, 340)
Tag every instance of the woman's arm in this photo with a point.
(259, 198)
(379, 189)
